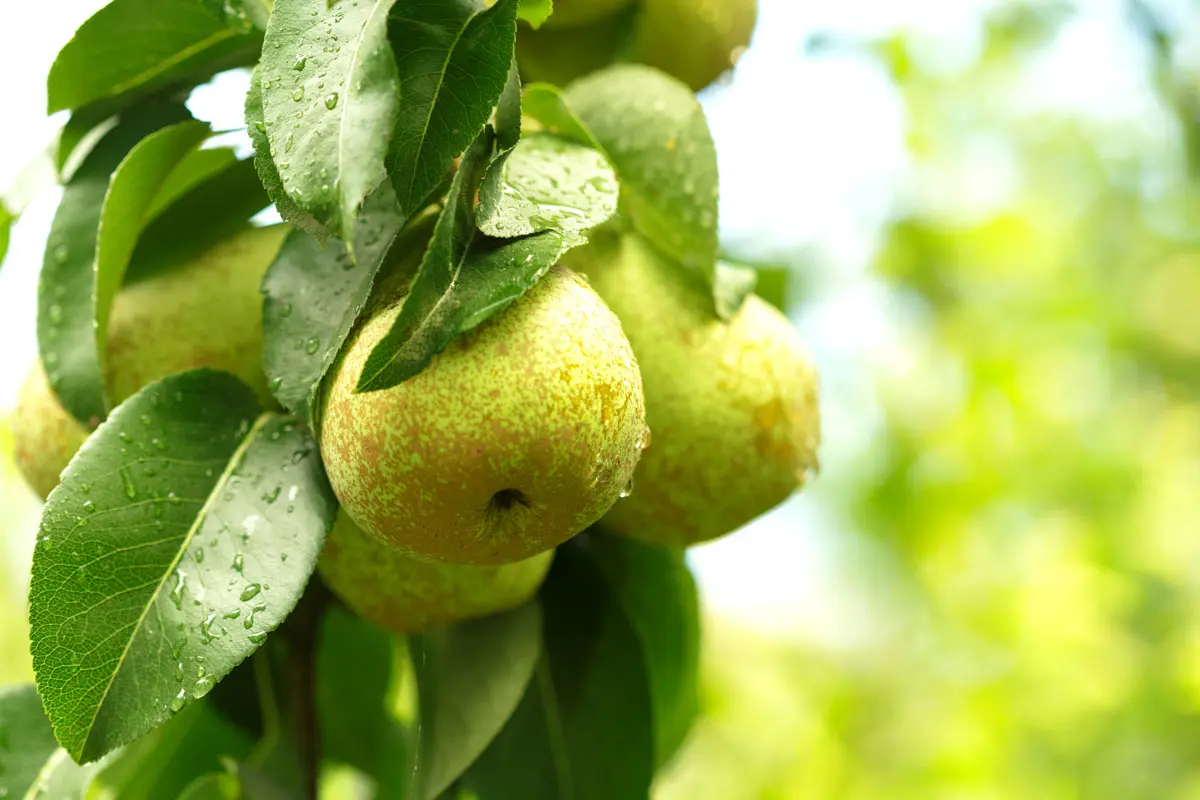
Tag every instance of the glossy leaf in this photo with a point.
(470, 678)
(656, 135)
(508, 111)
(130, 48)
(264, 163)
(181, 534)
(91, 239)
(330, 91)
(81, 132)
(658, 594)
(546, 104)
(547, 182)
(584, 729)
(313, 296)
(454, 62)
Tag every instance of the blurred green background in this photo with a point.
(988, 217)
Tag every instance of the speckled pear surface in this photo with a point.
(732, 405)
(406, 594)
(519, 435)
(206, 312)
(694, 40)
(582, 12)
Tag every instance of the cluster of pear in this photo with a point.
(694, 40)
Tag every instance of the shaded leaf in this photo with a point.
(330, 91)
(656, 135)
(535, 12)
(731, 286)
(313, 296)
(658, 594)
(194, 168)
(82, 131)
(268, 173)
(508, 111)
(454, 62)
(545, 103)
(547, 182)
(130, 48)
(584, 729)
(182, 532)
(86, 256)
(470, 678)
(214, 786)
(27, 744)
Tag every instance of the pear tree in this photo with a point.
(398, 485)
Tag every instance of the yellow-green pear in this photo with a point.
(694, 40)
(573, 13)
(560, 55)
(732, 404)
(205, 312)
(517, 436)
(406, 594)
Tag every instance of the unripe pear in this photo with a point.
(205, 312)
(560, 55)
(694, 40)
(406, 594)
(733, 405)
(573, 13)
(517, 436)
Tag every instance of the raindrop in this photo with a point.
(56, 314)
(331, 100)
(300, 62)
(627, 489)
(250, 592)
(206, 634)
(61, 254)
(257, 638)
(239, 562)
(298, 95)
(266, 84)
(89, 506)
(201, 687)
(260, 127)
(177, 592)
(177, 647)
(237, 612)
(288, 143)
(276, 382)
(312, 345)
(199, 555)
(286, 309)
(178, 701)
(127, 479)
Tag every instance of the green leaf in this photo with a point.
(210, 211)
(508, 111)
(330, 91)
(546, 104)
(193, 169)
(313, 296)
(131, 48)
(7, 218)
(241, 14)
(584, 729)
(658, 595)
(547, 182)
(27, 744)
(268, 173)
(182, 532)
(454, 62)
(464, 279)
(655, 133)
(80, 134)
(470, 678)
(90, 243)
(731, 287)
(214, 786)
(535, 12)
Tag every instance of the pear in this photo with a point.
(694, 40)
(205, 312)
(732, 404)
(573, 13)
(560, 55)
(519, 435)
(406, 594)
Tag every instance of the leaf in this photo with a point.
(655, 133)
(313, 296)
(464, 279)
(731, 287)
(192, 170)
(508, 111)
(181, 533)
(584, 729)
(88, 249)
(535, 12)
(27, 744)
(658, 595)
(214, 786)
(546, 104)
(82, 131)
(547, 182)
(454, 62)
(208, 212)
(268, 173)
(330, 91)
(241, 14)
(131, 48)
(7, 218)
(470, 678)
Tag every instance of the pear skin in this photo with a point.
(732, 404)
(519, 435)
(405, 594)
(694, 40)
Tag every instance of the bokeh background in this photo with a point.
(987, 218)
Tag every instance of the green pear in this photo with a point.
(406, 594)
(573, 13)
(205, 312)
(560, 55)
(694, 40)
(517, 436)
(732, 404)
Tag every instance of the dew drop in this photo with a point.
(312, 345)
(237, 612)
(178, 701)
(199, 555)
(331, 100)
(250, 592)
(300, 62)
(177, 592)
(298, 95)
(239, 562)
(201, 687)
(257, 638)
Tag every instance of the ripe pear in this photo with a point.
(573, 13)
(732, 404)
(205, 312)
(694, 40)
(406, 594)
(519, 435)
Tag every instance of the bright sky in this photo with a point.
(812, 160)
